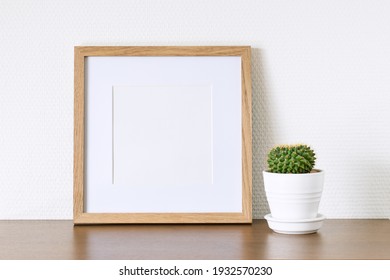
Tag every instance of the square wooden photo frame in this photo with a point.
(162, 135)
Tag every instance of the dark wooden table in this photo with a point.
(337, 239)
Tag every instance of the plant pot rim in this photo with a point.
(316, 172)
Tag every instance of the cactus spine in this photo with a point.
(291, 159)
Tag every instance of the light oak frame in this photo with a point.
(82, 217)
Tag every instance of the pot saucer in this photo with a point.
(295, 226)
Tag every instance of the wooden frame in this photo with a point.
(83, 217)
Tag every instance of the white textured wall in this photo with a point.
(321, 75)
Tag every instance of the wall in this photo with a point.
(321, 75)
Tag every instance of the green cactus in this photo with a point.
(291, 159)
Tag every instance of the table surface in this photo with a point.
(337, 239)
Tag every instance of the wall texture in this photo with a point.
(321, 75)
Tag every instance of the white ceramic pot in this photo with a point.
(294, 196)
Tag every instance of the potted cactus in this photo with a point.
(293, 189)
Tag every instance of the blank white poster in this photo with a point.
(162, 136)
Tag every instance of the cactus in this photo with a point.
(291, 159)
